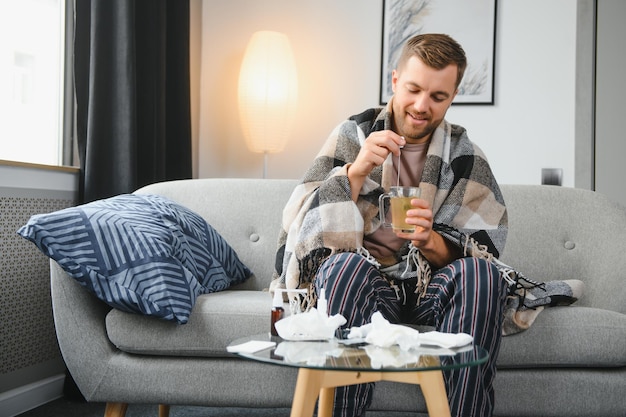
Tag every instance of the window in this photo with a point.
(32, 80)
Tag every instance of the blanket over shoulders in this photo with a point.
(321, 219)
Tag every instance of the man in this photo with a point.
(440, 274)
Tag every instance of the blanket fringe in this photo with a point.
(475, 249)
(517, 283)
(422, 268)
(368, 256)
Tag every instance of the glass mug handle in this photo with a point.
(381, 210)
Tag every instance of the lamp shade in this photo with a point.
(268, 92)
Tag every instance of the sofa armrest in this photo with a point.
(79, 319)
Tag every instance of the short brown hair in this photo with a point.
(435, 50)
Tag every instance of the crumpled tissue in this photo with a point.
(381, 333)
(390, 358)
(310, 353)
(311, 325)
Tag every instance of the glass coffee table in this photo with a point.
(325, 365)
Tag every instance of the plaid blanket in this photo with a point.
(321, 218)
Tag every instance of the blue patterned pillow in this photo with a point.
(139, 253)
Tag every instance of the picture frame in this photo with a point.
(472, 23)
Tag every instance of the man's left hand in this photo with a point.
(432, 245)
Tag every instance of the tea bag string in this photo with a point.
(399, 165)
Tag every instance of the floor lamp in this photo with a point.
(268, 93)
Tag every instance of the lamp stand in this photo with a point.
(264, 164)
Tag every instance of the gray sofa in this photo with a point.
(571, 362)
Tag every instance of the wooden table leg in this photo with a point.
(326, 402)
(432, 386)
(308, 387)
(314, 383)
(434, 391)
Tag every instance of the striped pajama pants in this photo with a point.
(465, 296)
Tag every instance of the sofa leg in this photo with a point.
(164, 410)
(115, 409)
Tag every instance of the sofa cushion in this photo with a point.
(139, 253)
(560, 337)
(569, 336)
(216, 320)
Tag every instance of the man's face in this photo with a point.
(422, 96)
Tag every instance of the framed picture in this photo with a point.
(472, 23)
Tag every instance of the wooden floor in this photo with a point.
(71, 408)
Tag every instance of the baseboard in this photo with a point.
(27, 397)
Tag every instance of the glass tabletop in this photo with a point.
(335, 354)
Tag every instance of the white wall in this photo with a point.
(610, 146)
(337, 45)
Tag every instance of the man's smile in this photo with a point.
(419, 118)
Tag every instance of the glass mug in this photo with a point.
(400, 200)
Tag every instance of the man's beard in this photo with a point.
(416, 135)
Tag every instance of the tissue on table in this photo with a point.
(445, 340)
(389, 358)
(311, 353)
(312, 325)
(384, 334)
(395, 357)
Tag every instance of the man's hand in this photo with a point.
(438, 250)
(421, 215)
(373, 153)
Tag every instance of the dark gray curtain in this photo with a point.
(131, 69)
